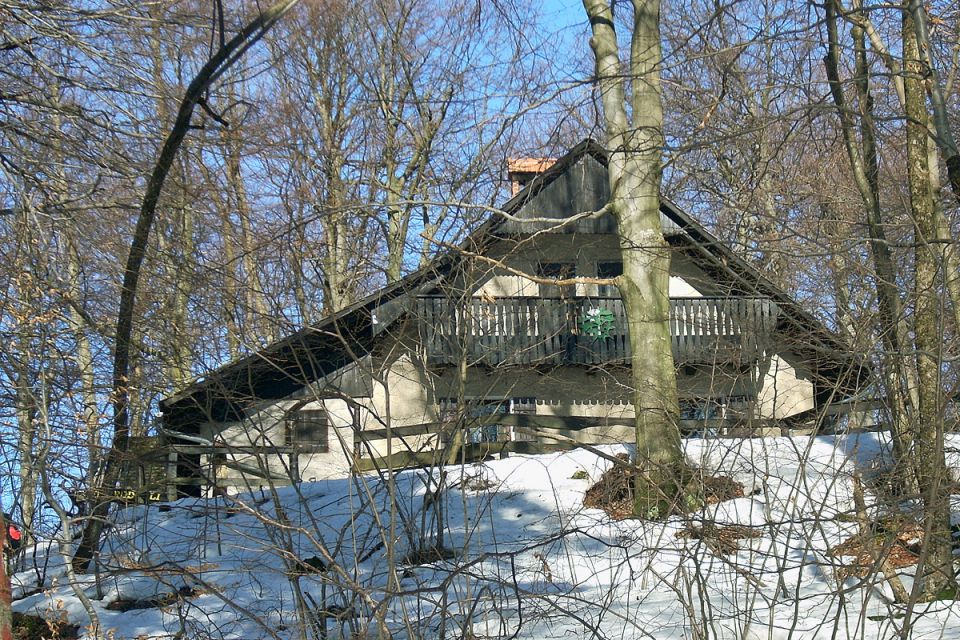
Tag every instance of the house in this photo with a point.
(480, 353)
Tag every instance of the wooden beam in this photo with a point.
(249, 449)
(369, 435)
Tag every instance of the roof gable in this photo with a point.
(577, 183)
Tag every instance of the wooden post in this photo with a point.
(294, 463)
(171, 475)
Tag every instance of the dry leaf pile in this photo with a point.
(613, 492)
(893, 544)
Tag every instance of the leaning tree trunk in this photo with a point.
(224, 57)
(937, 572)
(634, 169)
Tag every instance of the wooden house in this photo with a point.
(479, 353)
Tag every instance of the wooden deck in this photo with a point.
(537, 331)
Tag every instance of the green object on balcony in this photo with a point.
(597, 323)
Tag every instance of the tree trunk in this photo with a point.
(231, 278)
(83, 358)
(634, 169)
(943, 142)
(898, 374)
(27, 413)
(6, 595)
(175, 241)
(941, 117)
(181, 355)
(256, 312)
(937, 571)
(27, 342)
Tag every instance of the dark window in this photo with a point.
(700, 408)
(608, 270)
(309, 427)
(557, 271)
(728, 407)
(487, 432)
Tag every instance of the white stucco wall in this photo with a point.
(785, 388)
(266, 427)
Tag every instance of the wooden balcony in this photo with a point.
(544, 331)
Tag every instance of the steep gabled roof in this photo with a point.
(283, 367)
(290, 363)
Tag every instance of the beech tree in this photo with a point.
(634, 139)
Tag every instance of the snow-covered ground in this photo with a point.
(530, 560)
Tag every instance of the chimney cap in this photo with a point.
(520, 171)
(529, 165)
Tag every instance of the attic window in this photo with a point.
(308, 427)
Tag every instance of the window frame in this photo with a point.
(482, 407)
(295, 427)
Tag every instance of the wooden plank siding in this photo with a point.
(539, 331)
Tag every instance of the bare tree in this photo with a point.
(912, 355)
(929, 259)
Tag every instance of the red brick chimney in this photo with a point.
(520, 171)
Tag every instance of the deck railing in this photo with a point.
(533, 331)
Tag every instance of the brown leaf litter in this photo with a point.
(613, 492)
(893, 543)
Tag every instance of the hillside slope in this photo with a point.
(526, 559)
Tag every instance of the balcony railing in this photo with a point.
(534, 331)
